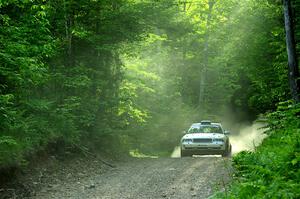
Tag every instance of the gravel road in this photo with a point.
(177, 178)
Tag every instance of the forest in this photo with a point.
(130, 75)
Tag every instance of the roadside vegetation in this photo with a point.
(128, 76)
(272, 170)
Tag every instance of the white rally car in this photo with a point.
(205, 138)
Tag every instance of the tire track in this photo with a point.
(174, 178)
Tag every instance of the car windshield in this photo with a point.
(206, 129)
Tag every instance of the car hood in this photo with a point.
(203, 135)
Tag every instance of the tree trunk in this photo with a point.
(69, 23)
(291, 51)
(203, 71)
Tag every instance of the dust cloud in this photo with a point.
(176, 152)
(247, 137)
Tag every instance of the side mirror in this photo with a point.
(227, 132)
(183, 132)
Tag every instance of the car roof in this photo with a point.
(194, 125)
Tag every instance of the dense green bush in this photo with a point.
(273, 169)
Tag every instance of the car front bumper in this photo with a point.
(203, 149)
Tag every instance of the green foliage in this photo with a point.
(25, 44)
(272, 171)
(62, 75)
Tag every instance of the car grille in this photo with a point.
(201, 140)
(202, 148)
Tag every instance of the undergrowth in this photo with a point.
(273, 169)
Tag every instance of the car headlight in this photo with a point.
(219, 141)
(187, 141)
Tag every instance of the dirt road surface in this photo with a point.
(178, 178)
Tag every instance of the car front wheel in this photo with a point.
(184, 154)
(227, 152)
